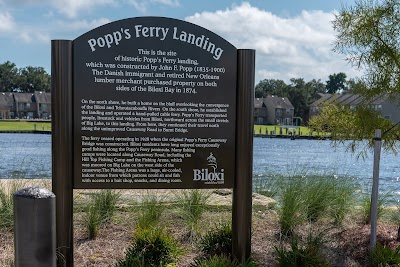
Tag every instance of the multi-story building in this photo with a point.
(35, 105)
(273, 110)
(387, 107)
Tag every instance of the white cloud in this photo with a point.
(7, 23)
(82, 25)
(143, 5)
(172, 3)
(71, 8)
(286, 47)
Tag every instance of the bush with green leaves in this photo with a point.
(221, 261)
(383, 256)
(192, 204)
(306, 254)
(151, 247)
(217, 241)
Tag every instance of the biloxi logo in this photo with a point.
(209, 175)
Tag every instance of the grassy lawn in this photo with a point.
(24, 126)
(30, 126)
(262, 129)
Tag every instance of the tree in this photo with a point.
(33, 79)
(8, 76)
(270, 87)
(296, 94)
(336, 83)
(355, 86)
(369, 37)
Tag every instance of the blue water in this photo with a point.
(25, 156)
(29, 155)
(277, 157)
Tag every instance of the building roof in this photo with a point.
(6, 99)
(280, 102)
(349, 99)
(23, 97)
(259, 103)
(42, 97)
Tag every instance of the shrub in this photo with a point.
(307, 255)
(192, 204)
(150, 211)
(217, 242)
(151, 247)
(384, 256)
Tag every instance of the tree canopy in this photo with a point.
(368, 34)
(26, 80)
(336, 83)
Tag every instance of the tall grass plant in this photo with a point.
(192, 204)
(312, 197)
(150, 210)
(100, 210)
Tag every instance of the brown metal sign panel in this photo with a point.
(154, 103)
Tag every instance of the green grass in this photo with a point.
(276, 128)
(24, 126)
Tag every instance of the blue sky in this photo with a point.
(292, 38)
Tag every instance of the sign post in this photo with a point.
(242, 191)
(62, 158)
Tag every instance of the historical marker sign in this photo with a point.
(154, 103)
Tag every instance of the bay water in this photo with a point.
(29, 156)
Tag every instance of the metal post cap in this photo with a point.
(34, 192)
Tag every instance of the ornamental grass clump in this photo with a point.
(192, 204)
(302, 254)
(383, 256)
(221, 261)
(150, 210)
(151, 247)
(99, 210)
(217, 241)
(6, 209)
(310, 198)
(292, 206)
(266, 185)
(7, 202)
(366, 208)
